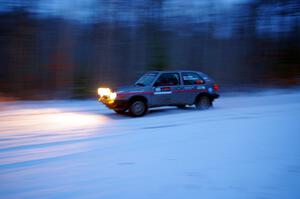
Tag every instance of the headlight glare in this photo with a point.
(113, 96)
(104, 92)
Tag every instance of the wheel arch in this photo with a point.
(204, 94)
(138, 97)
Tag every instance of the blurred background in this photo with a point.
(67, 48)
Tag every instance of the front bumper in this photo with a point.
(116, 105)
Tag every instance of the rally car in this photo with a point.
(162, 88)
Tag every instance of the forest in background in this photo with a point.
(66, 50)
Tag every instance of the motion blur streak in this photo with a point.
(27, 127)
(50, 119)
(70, 120)
(38, 133)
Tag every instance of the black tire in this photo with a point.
(120, 111)
(182, 106)
(137, 108)
(203, 103)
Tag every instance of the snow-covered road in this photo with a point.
(247, 146)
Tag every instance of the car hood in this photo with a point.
(129, 89)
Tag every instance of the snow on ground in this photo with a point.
(247, 146)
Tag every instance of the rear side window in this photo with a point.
(190, 78)
(168, 79)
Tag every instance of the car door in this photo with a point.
(193, 84)
(165, 88)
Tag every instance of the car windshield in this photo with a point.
(146, 79)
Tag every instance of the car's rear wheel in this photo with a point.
(137, 108)
(203, 103)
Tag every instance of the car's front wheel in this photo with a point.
(137, 108)
(203, 103)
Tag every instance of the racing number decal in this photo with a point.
(162, 91)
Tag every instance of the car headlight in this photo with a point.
(104, 92)
(112, 96)
(107, 92)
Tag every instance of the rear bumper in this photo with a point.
(116, 105)
(215, 95)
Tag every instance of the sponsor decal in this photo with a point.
(162, 91)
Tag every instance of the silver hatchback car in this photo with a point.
(162, 88)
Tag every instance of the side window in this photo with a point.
(168, 79)
(191, 78)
